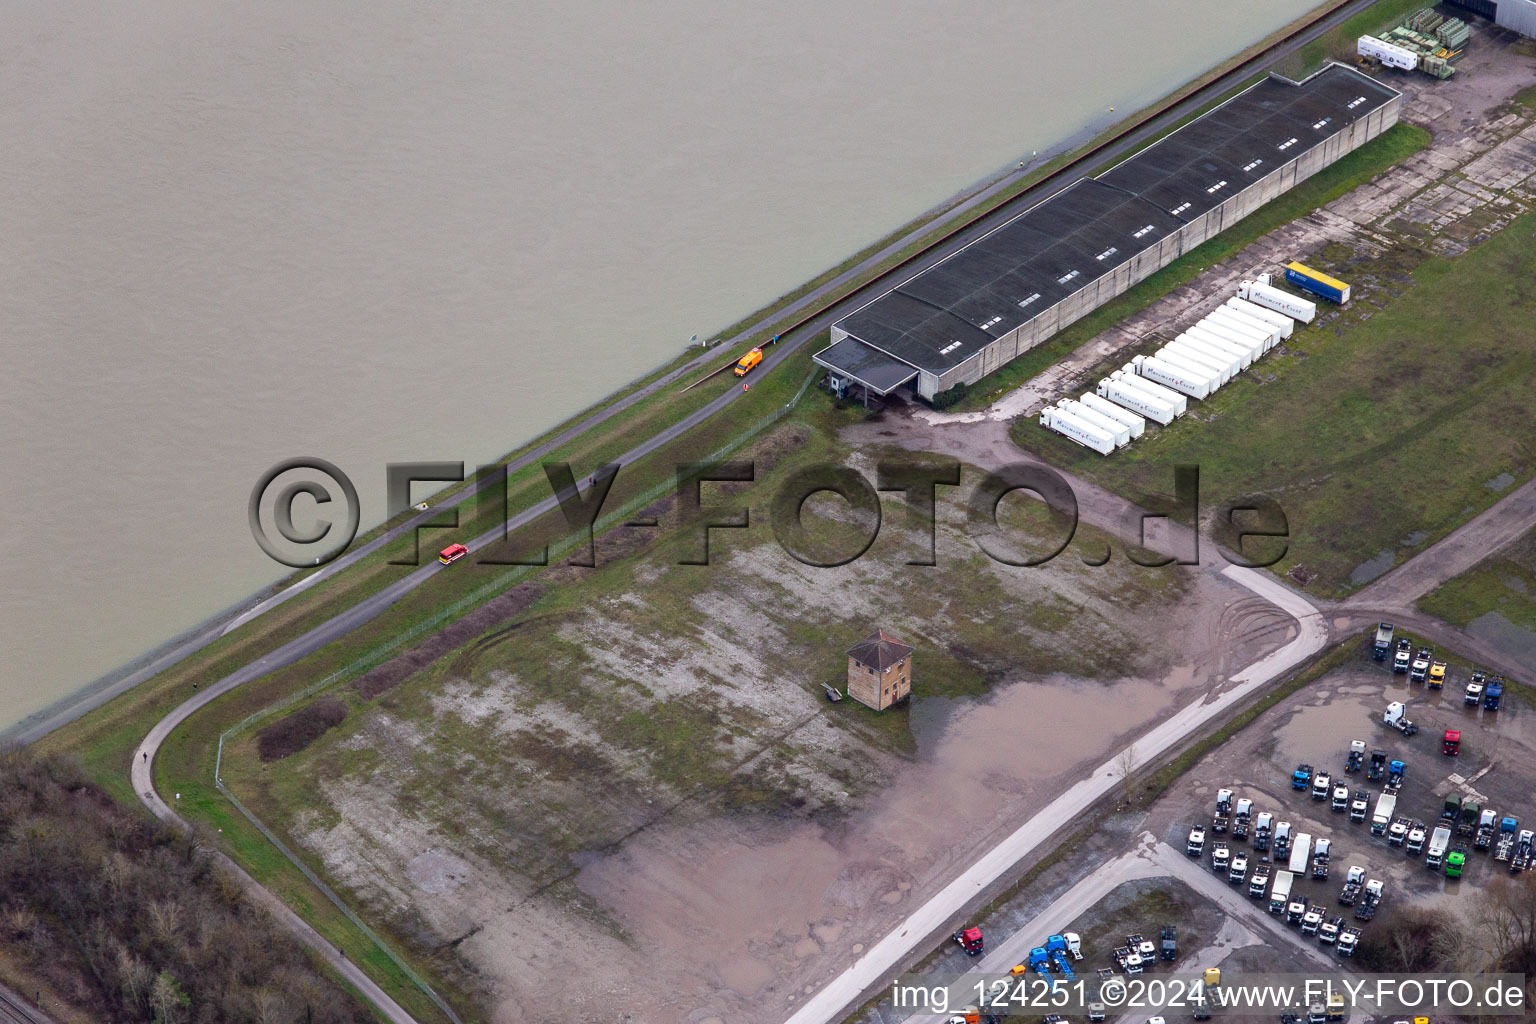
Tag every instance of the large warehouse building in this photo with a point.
(1019, 284)
(1519, 15)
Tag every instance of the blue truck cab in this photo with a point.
(1493, 696)
(1039, 960)
(1301, 778)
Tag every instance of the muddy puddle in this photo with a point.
(749, 917)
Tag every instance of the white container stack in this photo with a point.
(1224, 343)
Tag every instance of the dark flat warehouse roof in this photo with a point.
(875, 370)
(946, 314)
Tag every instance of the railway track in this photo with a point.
(15, 1010)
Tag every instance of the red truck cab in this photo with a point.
(1451, 747)
(970, 940)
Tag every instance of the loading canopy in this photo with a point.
(872, 368)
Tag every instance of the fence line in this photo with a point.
(377, 655)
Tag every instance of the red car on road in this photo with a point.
(452, 553)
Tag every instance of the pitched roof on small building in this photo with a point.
(879, 650)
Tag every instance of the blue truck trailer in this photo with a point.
(1316, 282)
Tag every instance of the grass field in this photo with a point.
(1504, 583)
(1379, 432)
(1391, 147)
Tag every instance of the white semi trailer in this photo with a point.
(1263, 335)
(1390, 54)
(1271, 333)
(1104, 407)
(1074, 429)
(1270, 297)
(1159, 372)
(1228, 315)
(1113, 427)
(1258, 312)
(1233, 360)
(1140, 402)
(1129, 376)
(1188, 360)
(1244, 352)
(1193, 355)
(1233, 337)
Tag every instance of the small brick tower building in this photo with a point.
(879, 670)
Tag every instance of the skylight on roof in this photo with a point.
(1028, 299)
(1319, 124)
(947, 349)
(991, 323)
(1064, 278)
(1216, 187)
(1287, 144)
(1107, 253)
(1250, 165)
(1355, 103)
(1179, 209)
(1139, 232)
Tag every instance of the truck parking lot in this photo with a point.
(1178, 863)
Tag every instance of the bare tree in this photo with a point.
(1126, 765)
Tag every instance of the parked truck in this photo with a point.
(1282, 841)
(1301, 778)
(970, 940)
(1370, 900)
(1349, 940)
(1487, 826)
(1239, 868)
(1439, 842)
(1494, 696)
(1475, 688)
(1322, 786)
(1196, 845)
(1074, 429)
(1301, 853)
(1280, 892)
(1450, 745)
(1188, 382)
(1395, 771)
(1242, 817)
(1263, 830)
(1359, 806)
(1320, 859)
(1396, 716)
(1378, 767)
(1259, 881)
(1386, 804)
(1355, 759)
(1170, 942)
(1417, 833)
(1352, 883)
(1138, 402)
(1262, 294)
(1450, 812)
(1382, 645)
(1471, 810)
(1222, 818)
(1316, 282)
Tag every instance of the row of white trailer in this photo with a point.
(1196, 363)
